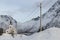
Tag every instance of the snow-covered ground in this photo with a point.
(48, 34)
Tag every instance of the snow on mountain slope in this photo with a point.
(30, 26)
(49, 34)
(5, 21)
(52, 16)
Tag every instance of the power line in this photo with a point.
(32, 13)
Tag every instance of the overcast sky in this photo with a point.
(24, 10)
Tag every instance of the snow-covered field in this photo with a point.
(48, 34)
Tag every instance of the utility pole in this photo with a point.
(40, 16)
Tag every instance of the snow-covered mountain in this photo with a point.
(5, 21)
(30, 26)
(52, 16)
(49, 19)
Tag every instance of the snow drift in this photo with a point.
(48, 34)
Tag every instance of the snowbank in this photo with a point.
(49, 34)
